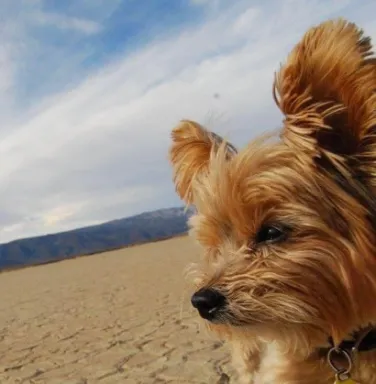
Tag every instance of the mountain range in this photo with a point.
(146, 227)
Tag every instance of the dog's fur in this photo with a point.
(316, 182)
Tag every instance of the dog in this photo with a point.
(287, 224)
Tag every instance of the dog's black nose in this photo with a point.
(208, 302)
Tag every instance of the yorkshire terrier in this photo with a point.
(287, 224)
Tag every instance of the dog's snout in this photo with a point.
(208, 302)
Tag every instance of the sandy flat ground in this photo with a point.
(116, 317)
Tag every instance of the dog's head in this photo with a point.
(288, 223)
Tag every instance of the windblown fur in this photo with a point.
(317, 181)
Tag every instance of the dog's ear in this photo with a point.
(326, 90)
(190, 154)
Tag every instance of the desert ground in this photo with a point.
(116, 317)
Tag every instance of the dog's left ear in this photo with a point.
(326, 90)
(190, 154)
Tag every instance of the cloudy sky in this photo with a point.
(90, 89)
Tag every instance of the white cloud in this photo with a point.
(98, 150)
(65, 22)
(205, 2)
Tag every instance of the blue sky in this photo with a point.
(91, 89)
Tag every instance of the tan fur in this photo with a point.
(319, 179)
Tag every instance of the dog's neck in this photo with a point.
(367, 343)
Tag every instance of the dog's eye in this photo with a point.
(270, 234)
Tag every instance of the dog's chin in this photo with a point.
(218, 321)
(225, 318)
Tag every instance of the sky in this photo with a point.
(91, 89)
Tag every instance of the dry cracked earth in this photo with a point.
(117, 317)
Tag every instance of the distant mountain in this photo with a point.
(148, 226)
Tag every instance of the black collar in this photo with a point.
(367, 344)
